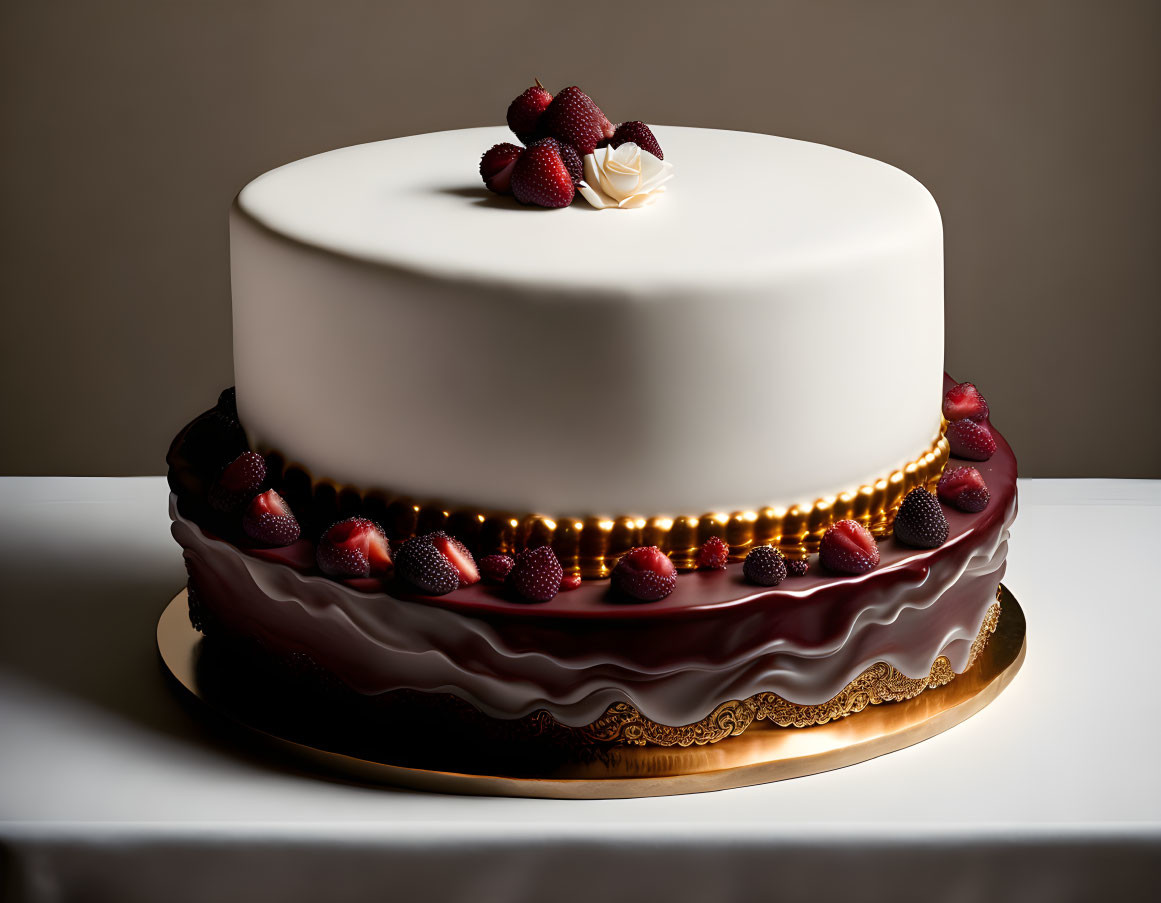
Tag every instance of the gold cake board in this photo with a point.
(761, 754)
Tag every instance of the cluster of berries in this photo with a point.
(968, 432)
(557, 134)
(764, 565)
(970, 436)
(535, 575)
(237, 488)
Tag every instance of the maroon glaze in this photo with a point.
(298, 555)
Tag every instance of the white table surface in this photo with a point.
(111, 788)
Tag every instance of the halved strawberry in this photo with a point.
(269, 520)
(425, 567)
(573, 118)
(355, 547)
(848, 547)
(646, 574)
(963, 488)
(963, 401)
(459, 556)
(496, 167)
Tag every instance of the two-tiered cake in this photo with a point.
(753, 357)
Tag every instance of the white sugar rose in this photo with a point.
(623, 177)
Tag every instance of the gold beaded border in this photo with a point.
(591, 546)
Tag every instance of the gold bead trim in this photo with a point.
(622, 723)
(591, 546)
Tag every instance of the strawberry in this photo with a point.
(423, 564)
(963, 488)
(496, 568)
(536, 575)
(713, 555)
(963, 401)
(269, 520)
(540, 176)
(459, 556)
(525, 111)
(638, 133)
(797, 567)
(765, 566)
(848, 548)
(355, 547)
(496, 167)
(572, 162)
(573, 118)
(920, 521)
(645, 574)
(569, 581)
(241, 479)
(971, 440)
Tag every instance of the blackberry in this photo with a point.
(920, 521)
(765, 566)
(200, 618)
(797, 567)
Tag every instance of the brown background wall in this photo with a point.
(128, 127)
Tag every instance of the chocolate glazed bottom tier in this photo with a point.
(586, 655)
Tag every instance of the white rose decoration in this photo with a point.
(623, 177)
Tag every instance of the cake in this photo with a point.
(698, 449)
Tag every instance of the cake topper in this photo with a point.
(570, 146)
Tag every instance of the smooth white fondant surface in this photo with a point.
(767, 333)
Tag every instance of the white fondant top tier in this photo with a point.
(769, 332)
